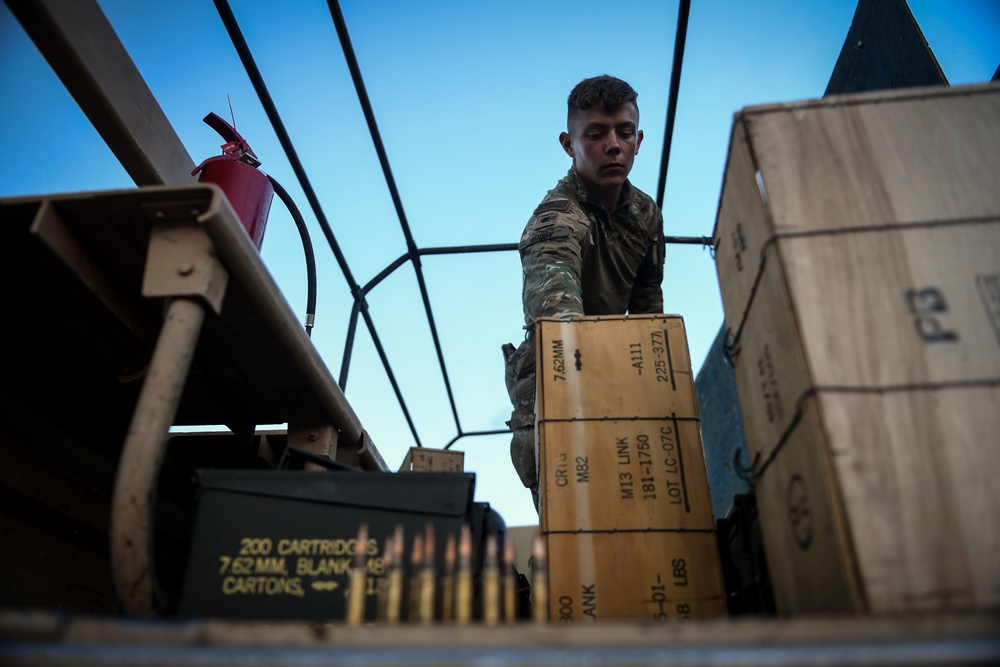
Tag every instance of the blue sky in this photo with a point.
(470, 99)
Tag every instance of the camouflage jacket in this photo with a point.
(578, 260)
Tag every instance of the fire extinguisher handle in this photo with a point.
(234, 141)
(227, 131)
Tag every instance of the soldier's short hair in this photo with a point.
(606, 92)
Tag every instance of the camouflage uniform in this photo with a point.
(578, 260)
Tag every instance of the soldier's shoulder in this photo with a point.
(554, 219)
(553, 204)
(560, 199)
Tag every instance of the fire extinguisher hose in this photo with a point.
(307, 247)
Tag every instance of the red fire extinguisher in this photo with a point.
(235, 171)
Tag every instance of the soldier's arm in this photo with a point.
(647, 291)
(551, 252)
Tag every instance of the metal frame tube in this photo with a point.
(134, 499)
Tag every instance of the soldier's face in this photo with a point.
(603, 146)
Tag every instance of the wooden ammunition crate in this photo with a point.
(615, 367)
(624, 475)
(858, 254)
(425, 459)
(622, 470)
(648, 576)
(911, 158)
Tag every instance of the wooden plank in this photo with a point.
(649, 576)
(741, 232)
(907, 305)
(809, 558)
(925, 639)
(879, 158)
(770, 368)
(37, 569)
(881, 503)
(926, 460)
(624, 475)
(33, 478)
(615, 367)
(875, 309)
(846, 162)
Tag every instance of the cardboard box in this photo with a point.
(859, 262)
(643, 576)
(424, 459)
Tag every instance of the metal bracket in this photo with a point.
(319, 439)
(182, 263)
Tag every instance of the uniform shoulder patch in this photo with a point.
(560, 205)
(548, 233)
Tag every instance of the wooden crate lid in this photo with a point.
(853, 162)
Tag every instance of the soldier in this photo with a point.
(594, 246)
